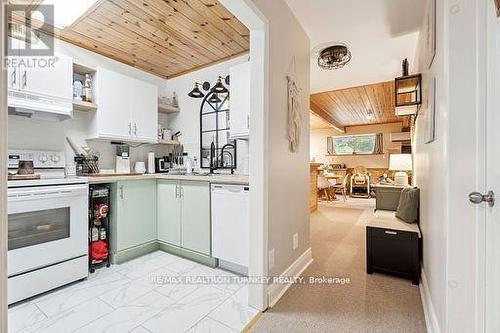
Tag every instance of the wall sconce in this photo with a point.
(218, 88)
(196, 92)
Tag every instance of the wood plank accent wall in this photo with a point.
(352, 106)
(163, 37)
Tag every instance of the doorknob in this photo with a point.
(476, 198)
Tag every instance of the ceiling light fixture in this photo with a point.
(66, 12)
(332, 56)
(370, 115)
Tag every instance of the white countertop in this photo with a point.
(45, 182)
(215, 179)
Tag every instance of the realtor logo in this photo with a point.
(34, 37)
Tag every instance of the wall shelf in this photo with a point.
(165, 108)
(168, 142)
(83, 69)
(350, 155)
(84, 106)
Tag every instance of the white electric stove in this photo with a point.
(48, 226)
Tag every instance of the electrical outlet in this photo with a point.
(295, 241)
(271, 259)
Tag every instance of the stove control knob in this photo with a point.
(55, 158)
(43, 158)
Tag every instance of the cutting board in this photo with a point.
(23, 177)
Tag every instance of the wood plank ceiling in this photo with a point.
(163, 37)
(369, 104)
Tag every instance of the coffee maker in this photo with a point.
(162, 164)
(122, 158)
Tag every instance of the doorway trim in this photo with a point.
(3, 177)
(248, 13)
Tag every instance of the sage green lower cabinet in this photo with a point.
(184, 214)
(169, 212)
(134, 221)
(196, 232)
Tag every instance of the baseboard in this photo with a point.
(134, 252)
(191, 255)
(429, 313)
(277, 290)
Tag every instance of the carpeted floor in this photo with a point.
(369, 303)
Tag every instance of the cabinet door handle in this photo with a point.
(13, 77)
(182, 192)
(248, 121)
(135, 129)
(121, 192)
(391, 232)
(25, 79)
(129, 128)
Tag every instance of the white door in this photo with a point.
(492, 225)
(466, 145)
(240, 100)
(113, 98)
(13, 62)
(144, 110)
(49, 76)
(473, 267)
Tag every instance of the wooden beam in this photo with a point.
(326, 116)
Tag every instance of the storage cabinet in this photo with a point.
(134, 220)
(184, 214)
(127, 108)
(240, 100)
(196, 231)
(169, 212)
(46, 76)
(393, 252)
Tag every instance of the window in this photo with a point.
(355, 144)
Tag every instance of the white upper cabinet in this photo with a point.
(240, 100)
(113, 115)
(127, 108)
(46, 76)
(54, 81)
(144, 110)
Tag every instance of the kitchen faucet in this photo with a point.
(214, 160)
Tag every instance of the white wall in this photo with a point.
(430, 165)
(319, 148)
(188, 120)
(288, 173)
(35, 134)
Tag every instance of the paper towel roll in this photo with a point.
(151, 162)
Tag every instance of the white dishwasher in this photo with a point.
(231, 226)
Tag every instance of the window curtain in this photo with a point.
(379, 144)
(329, 145)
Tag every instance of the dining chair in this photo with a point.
(325, 186)
(342, 187)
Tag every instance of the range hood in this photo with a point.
(37, 106)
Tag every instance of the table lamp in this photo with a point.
(400, 163)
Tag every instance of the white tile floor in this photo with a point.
(130, 298)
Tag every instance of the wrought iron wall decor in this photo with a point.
(217, 150)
